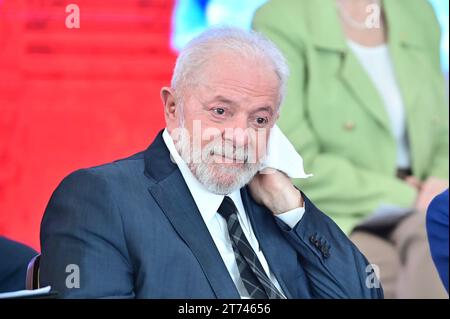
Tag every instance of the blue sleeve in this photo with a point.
(437, 229)
(336, 269)
(82, 236)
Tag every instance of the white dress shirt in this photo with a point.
(208, 203)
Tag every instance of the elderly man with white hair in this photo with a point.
(206, 211)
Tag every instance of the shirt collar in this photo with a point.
(207, 202)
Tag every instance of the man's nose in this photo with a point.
(238, 134)
(241, 137)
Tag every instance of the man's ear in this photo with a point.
(168, 100)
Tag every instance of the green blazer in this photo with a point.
(335, 117)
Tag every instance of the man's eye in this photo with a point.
(219, 110)
(262, 120)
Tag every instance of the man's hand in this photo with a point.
(429, 189)
(275, 190)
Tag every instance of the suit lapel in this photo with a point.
(362, 88)
(327, 36)
(405, 43)
(405, 38)
(173, 197)
(280, 256)
(407, 47)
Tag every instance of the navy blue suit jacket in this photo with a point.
(14, 259)
(437, 228)
(134, 230)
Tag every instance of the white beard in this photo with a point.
(214, 176)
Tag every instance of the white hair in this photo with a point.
(249, 44)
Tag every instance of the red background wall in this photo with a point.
(72, 98)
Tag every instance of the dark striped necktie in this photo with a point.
(255, 279)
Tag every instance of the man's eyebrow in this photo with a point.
(264, 108)
(221, 98)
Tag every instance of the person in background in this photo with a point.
(14, 259)
(366, 107)
(437, 229)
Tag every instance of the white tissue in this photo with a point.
(281, 155)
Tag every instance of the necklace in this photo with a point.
(361, 25)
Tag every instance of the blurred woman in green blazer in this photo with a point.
(367, 109)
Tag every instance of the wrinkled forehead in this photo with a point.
(238, 76)
(233, 66)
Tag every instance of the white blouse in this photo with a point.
(378, 65)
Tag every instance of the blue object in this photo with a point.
(441, 9)
(191, 17)
(14, 259)
(437, 228)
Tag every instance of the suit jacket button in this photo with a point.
(325, 250)
(349, 125)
